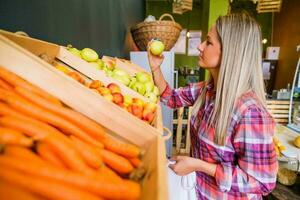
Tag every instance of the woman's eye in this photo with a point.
(208, 42)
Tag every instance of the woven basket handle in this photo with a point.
(166, 15)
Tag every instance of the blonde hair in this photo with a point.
(240, 68)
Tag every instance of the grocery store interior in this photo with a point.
(113, 35)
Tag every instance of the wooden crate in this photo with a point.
(33, 69)
(60, 53)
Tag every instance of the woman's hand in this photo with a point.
(184, 165)
(154, 61)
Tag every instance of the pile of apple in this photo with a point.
(139, 108)
(142, 82)
(112, 92)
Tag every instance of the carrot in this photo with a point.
(86, 124)
(12, 192)
(41, 114)
(124, 149)
(9, 136)
(8, 111)
(47, 153)
(116, 162)
(22, 153)
(104, 170)
(5, 85)
(45, 187)
(87, 152)
(60, 143)
(99, 184)
(15, 80)
(136, 162)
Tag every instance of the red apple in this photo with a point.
(117, 97)
(150, 106)
(138, 101)
(114, 88)
(95, 84)
(148, 116)
(137, 110)
(103, 90)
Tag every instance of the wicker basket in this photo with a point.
(166, 31)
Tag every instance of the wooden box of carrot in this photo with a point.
(105, 82)
(60, 140)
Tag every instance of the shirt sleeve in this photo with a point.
(183, 96)
(256, 167)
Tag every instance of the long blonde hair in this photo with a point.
(240, 68)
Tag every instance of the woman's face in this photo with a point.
(210, 50)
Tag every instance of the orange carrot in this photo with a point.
(106, 171)
(5, 85)
(87, 152)
(98, 183)
(136, 162)
(12, 192)
(116, 162)
(86, 124)
(45, 187)
(15, 80)
(60, 143)
(9, 136)
(46, 152)
(124, 149)
(8, 111)
(22, 153)
(41, 114)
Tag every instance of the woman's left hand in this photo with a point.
(184, 165)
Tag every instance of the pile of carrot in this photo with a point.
(50, 151)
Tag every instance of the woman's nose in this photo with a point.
(200, 47)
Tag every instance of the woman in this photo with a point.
(231, 130)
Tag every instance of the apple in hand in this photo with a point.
(157, 47)
(114, 88)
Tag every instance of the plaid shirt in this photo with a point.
(247, 163)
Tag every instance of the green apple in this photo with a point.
(120, 72)
(157, 47)
(123, 79)
(127, 100)
(132, 81)
(152, 97)
(139, 87)
(149, 86)
(100, 63)
(156, 91)
(75, 52)
(142, 77)
(89, 55)
(95, 65)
